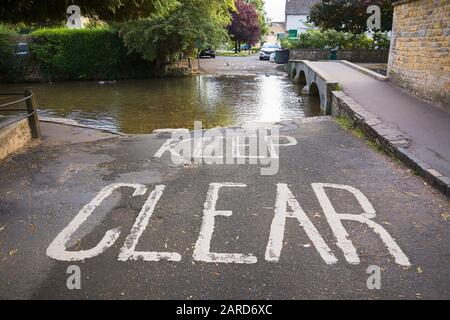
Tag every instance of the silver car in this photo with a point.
(267, 49)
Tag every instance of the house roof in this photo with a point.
(280, 23)
(299, 7)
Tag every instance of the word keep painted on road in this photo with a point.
(202, 250)
(215, 146)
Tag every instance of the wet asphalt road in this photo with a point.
(44, 188)
(248, 65)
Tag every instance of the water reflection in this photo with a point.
(140, 106)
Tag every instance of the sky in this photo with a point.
(275, 9)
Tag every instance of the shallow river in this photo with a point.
(140, 106)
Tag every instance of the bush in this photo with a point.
(96, 53)
(382, 40)
(318, 39)
(12, 67)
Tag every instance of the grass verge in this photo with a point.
(350, 126)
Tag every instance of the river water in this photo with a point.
(140, 106)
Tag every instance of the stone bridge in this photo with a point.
(315, 81)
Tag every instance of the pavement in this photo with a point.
(57, 133)
(426, 126)
(46, 186)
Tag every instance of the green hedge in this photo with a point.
(12, 67)
(6, 51)
(318, 39)
(98, 53)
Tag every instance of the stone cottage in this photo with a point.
(296, 14)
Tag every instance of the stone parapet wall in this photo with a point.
(357, 55)
(14, 137)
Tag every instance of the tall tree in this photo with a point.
(244, 27)
(259, 6)
(45, 12)
(349, 15)
(167, 40)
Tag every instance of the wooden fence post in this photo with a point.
(33, 118)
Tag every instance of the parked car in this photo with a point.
(267, 49)
(208, 53)
(22, 49)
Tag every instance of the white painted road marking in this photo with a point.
(202, 246)
(284, 197)
(334, 219)
(57, 249)
(128, 250)
(203, 146)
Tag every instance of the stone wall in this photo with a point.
(357, 55)
(419, 58)
(14, 137)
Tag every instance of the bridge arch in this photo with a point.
(293, 75)
(302, 78)
(313, 89)
(315, 80)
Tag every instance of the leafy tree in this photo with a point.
(349, 15)
(47, 12)
(245, 25)
(259, 6)
(167, 40)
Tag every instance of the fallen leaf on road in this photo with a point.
(13, 252)
(406, 268)
(419, 270)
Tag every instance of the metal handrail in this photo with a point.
(33, 120)
(15, 102)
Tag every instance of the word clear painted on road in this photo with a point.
(202, 251)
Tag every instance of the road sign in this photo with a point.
(292, 33)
